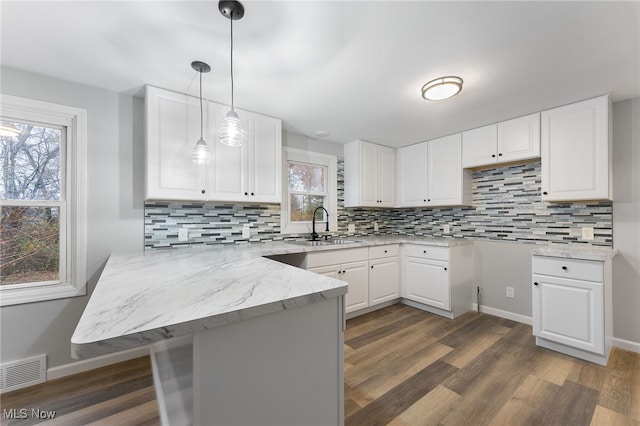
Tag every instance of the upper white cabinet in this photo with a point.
(369, 175)
(512, 140)
(430, 174)
(251, 173)
(173, 127)
(576, 151)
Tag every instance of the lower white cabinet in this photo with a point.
(355, 273)
(372, 273)
(438, 279)
(350, 265)
(384, 274)
(427, 282)
(572, 306)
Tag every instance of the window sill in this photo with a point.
(19, 296)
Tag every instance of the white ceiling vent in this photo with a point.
(23, 373)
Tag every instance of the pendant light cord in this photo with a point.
(231, 61)
(201, 115)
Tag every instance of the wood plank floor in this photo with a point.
(402, 367)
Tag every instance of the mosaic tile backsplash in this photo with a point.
(506, 206)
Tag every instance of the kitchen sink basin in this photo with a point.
(321, 242)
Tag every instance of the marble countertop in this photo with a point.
(575, 251)
(144, 297)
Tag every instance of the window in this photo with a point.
(42, 210)
(310, 182)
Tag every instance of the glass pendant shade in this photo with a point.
(200, 153)
(231, 131)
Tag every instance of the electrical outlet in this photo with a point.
(587, 233)
(183, 234)
(246, 231)
(351, 228)
(445, 229)
(375, 226)
(510, 293)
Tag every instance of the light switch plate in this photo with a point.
(587, 233)
(445, 229)
(183, 234)
(351, 229)
(375, 226)
(246, 231)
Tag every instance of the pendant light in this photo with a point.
(231, 131)
(200, 153)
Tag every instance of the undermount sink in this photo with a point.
(321, 242)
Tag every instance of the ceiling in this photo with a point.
(353, 69)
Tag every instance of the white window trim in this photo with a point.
(75, 122)
(331, 203)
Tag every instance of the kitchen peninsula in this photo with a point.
(235, 338)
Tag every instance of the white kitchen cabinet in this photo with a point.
(438, 279)
(572, 306)
(576, 151)
(505, 142)
(350, 265)
(252, 172)
(369, 175)
(430, 174)
(427, 282)
(384, 274)
(173, 127)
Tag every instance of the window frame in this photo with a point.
(331, 201)
(73, 209)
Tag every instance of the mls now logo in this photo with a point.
(23, 413)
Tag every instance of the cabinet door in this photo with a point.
(519, 139)
(575, 151)
(444, 171)
(386, 171)
(357, 275)
(368, 174)
(383, 280)
(331, 271)
(479, 146)
(570, 312)
(265, 158)
(229, 165)
(173, 128)
(427, 282)
(412, 179)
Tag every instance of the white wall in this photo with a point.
(115, 146)
(295, 140)
(626, 220)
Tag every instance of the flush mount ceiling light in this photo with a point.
(8, 129)
(200, 153)
(442, 88)
(231, 130)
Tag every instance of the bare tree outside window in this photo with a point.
(31, 196)
(307, 190)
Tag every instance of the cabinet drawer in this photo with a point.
(427, 252)
(378, 252)
(336, 257)
(586, 270)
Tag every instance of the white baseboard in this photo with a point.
(97, 362)
(504, 314)
(626, 344)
